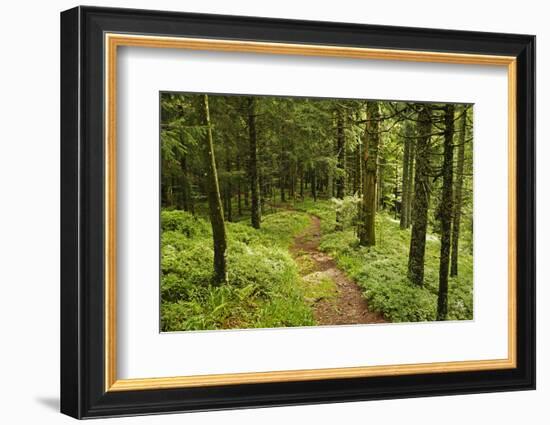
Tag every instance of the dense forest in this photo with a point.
(303, 211)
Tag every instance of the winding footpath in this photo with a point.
(348, 306)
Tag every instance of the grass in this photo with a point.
(264, 288)
(269, 288)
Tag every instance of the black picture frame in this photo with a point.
(83, 392)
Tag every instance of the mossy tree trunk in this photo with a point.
(410, 178)
(239, 194)
(446, 211)
(366, 230)
(421, 197)
(406, 183)
(255, 207)
(340, 165)
(458, 195)
(214, 199)
(340, 154)
(229, 186)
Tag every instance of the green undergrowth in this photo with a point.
(264, 287)
(381, 270)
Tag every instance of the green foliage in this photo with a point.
(346, 209)
(264, 288)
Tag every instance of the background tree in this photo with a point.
(446, 211)
(253, 165)
(407, 180)
(366, 231)
(421, 197)
(457, 213)
(214, 201)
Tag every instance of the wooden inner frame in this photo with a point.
(113, 41)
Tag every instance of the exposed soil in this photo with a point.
(347, 306)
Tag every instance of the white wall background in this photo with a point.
(29, 213)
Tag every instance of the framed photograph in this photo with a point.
(261, 212)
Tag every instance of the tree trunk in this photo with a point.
(229, 186)
(380, 185)
(301, 182)
(421, 198)
(239, 197)
(405, 190)
(410, 178)
(458, 195)
(358, 167)
(341, 152)
(314, 184)
(214, 201)
(253, 166)
(366, 232)
(446, 210)
(340, 166)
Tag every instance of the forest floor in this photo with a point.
(340, 301)
(300, 269)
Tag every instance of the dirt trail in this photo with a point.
(348, 305)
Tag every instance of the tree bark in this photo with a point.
(410, 178)
(421, 198)
(313, 183)
(340, 166)
(182, 199)
(341, 152)
(301, 182)
(357, 171)
(405, 190)
(458, 195)
(366, 230)
(380, 184)
(214, 201)
(229, 186)
(255, 209)
(282, 171)
(239, 197)
(446, 211)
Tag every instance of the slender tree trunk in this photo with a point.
(366, 232)
(214, 201)
(395, 191)
(229, 186)
(301, 181)
(183, 183)
(253, 166)
(167, 189)
(421, 198)
(446, 209)
(282, 171)
(410, 178)
(380, 185)
(239, 195)
(314, 184)
(341, 166)
(458, 195)
(341, 152)
(357, 183)
(405, 190)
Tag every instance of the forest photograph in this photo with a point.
(294, 211)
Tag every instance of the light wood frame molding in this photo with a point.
(115, 40)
